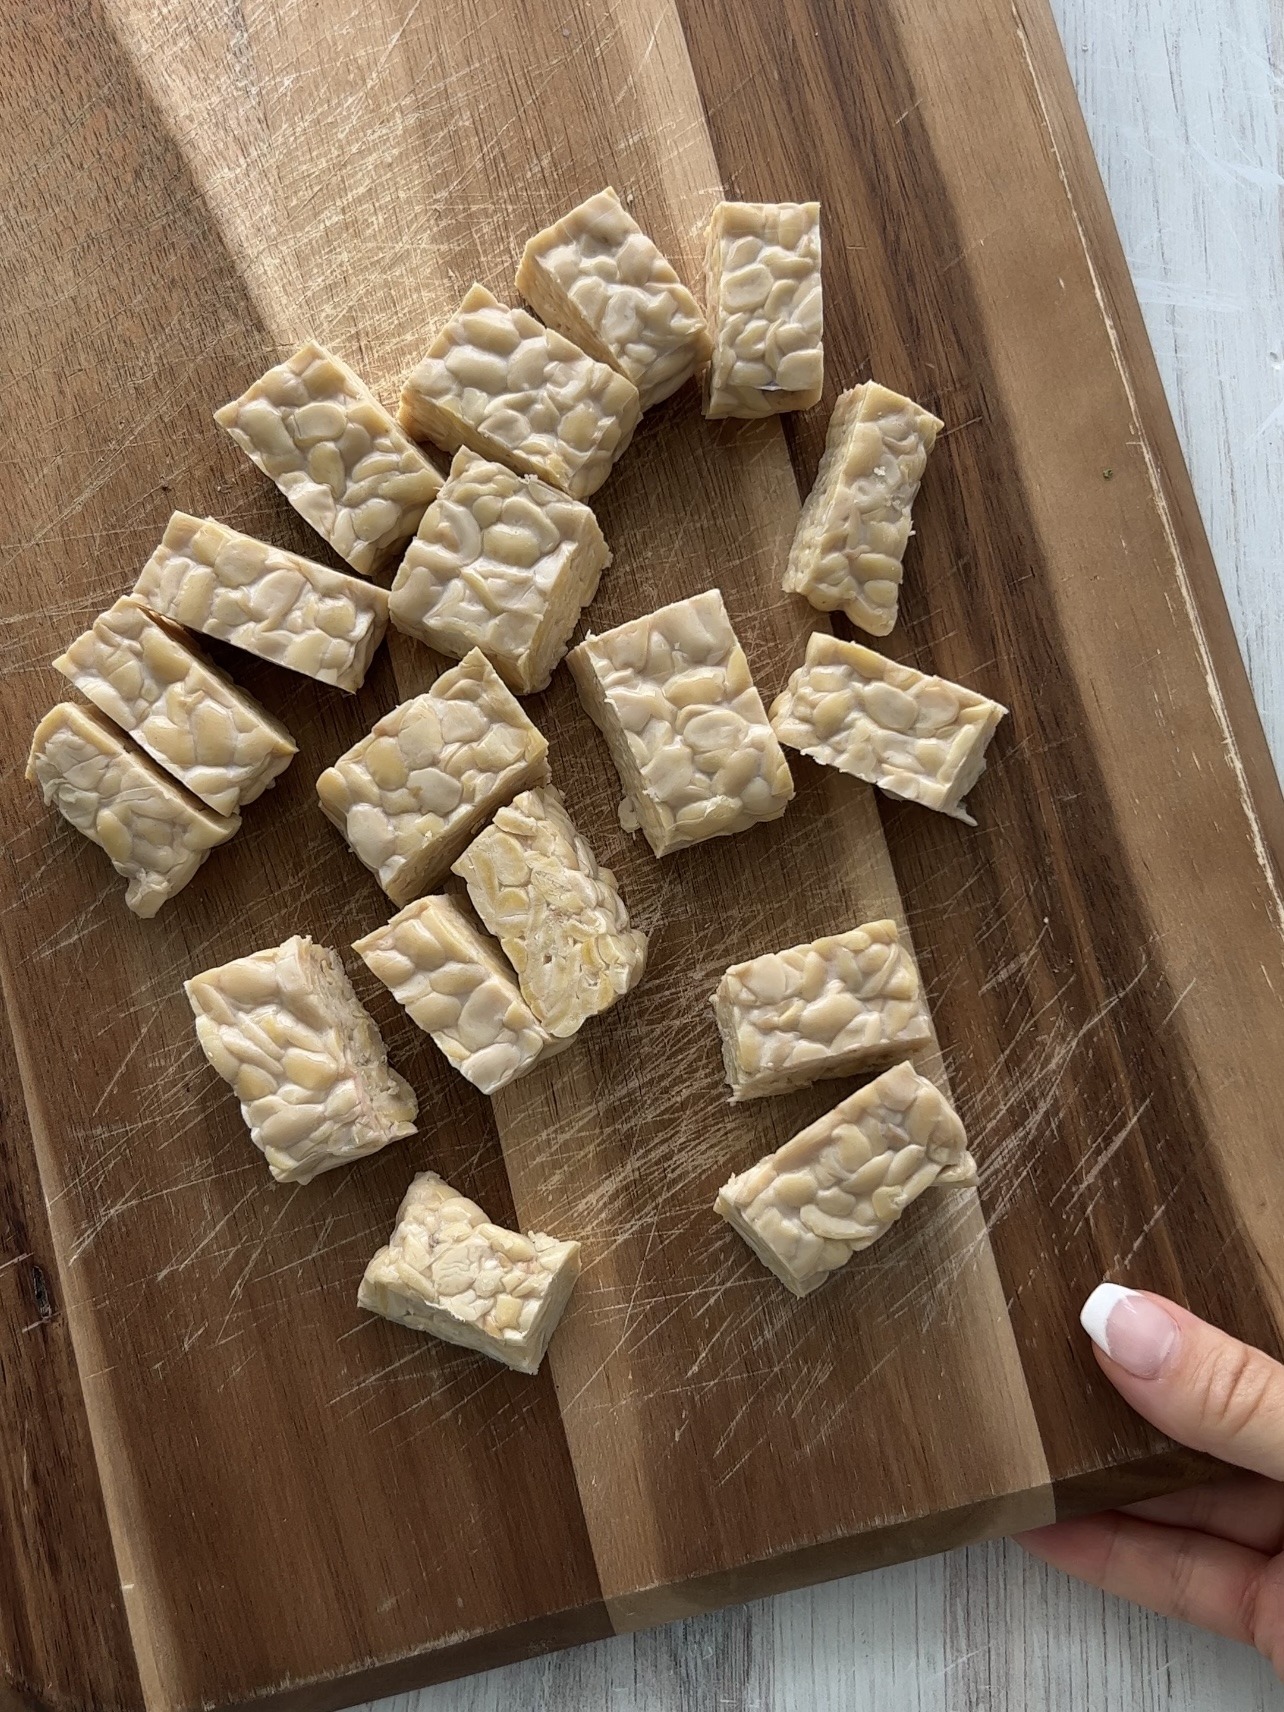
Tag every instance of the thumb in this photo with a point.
(1197, 1384)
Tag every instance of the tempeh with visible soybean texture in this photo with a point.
(842, 1004)
(289, 610)
(458, 989)
(500, 562)
(556, 912)
(304, 1057)
(412, 794)
(913, 735)
(447, 1271)
(336, 454)
(497, 381)
(156, 833)
(673, 695)
(145, 673)
(839, 1184)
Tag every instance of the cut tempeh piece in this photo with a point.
(459, 990)
(497, 381)
(335, 453)
(845, 1179)
(557, 914)
(146, 673)
(503, 563)
(686, 728)
(289, 610)
(156, 834)
(409, 797)
(851, 537)
(843, 1004)
(914, 736)
(448, 1271)
(304, 1057)
(598, 278)
(763, 299)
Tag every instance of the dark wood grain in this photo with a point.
(306, 1506)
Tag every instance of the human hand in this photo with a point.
(1213, 1555)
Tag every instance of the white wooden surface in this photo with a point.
(1185, 102)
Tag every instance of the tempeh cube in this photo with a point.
(448, 1271)
(598, 278)
(843, 1004)
(503, 563)
(335, 453)
(912, 735)
(840, 1183)
(305, 1058)
(851, 537)
(156, 834)
(558, 916)
(409, 797)
(686, 728)
(459, 990)
(289, 610)
(145, 673)
(497, 381)
(763, 299)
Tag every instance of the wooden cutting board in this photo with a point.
(219, 1483)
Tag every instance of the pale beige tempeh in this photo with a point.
(845, 1003)
(305, 1059)
(841, 1182)
(448, 1271)
(147, 674)
(851, 537)
(596, 277)
(556, 912)
(503, 563)
(156, 834)
(912, 735)
(458, 989)
(763, 299)
(498, 381)
(335, 453)
(413, 793)
(275, 604)
(672, 694)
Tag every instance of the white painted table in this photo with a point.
(1185, 103)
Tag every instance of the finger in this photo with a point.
(1174, 1571)
(1247, 1508)
(1199, 1385)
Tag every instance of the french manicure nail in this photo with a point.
(1130, 1328)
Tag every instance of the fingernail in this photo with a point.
(1131, 1329)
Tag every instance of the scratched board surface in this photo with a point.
(220, 1483)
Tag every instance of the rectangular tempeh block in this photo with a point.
(843, 1004)
(503, 563)
(763, 299)
(412, 794)
(448, 1271)
(289, 610)
(497, 381)
(304, 1057)
(672, 694)
(913, 735)
(146, 674)
(841, 1182)
(459, 990)
(335, 453)
(557, 914)
(851, 537)
(598, 278)
(156, 834)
